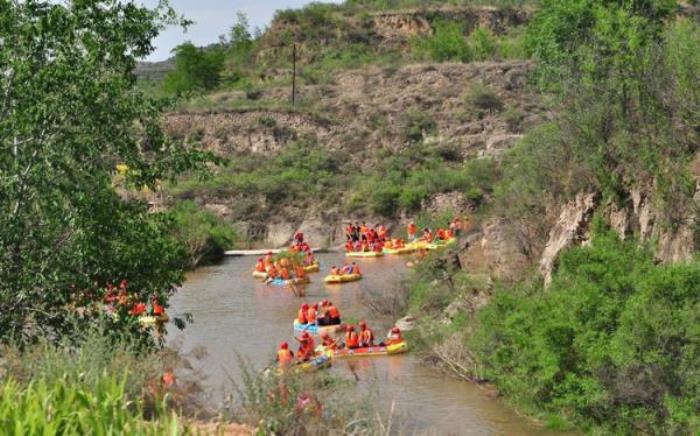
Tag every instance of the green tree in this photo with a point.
(69, 112)
(196, 69)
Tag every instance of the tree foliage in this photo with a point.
(613, 343)
(196, 69)
(69, 112)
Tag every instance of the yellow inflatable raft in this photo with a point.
(259, 275)
(364, 254)
(314, 267)
(377, 350)
(152, 320)
(345, 278)
(399, 251)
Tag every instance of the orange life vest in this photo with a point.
(333, 312)
(157, 308)
(284, 274)
(329, 342)
(284, 358)
(301, 317)
(412, 229)
(351, 340)
(311, 315)
(356, 270)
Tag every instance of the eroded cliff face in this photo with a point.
(399, 26)
(391, 29)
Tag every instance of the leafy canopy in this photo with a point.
(69, 112)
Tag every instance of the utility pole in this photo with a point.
(294, 72)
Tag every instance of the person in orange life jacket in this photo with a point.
(366, 335)
(157, 308)
(335, 271)
(300, 272)
(322, 317)
(427, 235)
(138, 309)
(351, 338)
(311, 314)
(381, 232)
(363, 228)
(268, 257)
(301, 316)
(364, 246)
(285, 357)
(412, 229)
(441, 234)
(357, 246)
(284, 273)
(327, 341)
(309, 258)
(349, 246)
(394, 337)
(260, 265)
(306, 347)
(356, 269)
(333, 314)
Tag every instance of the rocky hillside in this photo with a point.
(369, 109)
(389, 109)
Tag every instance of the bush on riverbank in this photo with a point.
(203, 235)
(92, 386)
(306, 404)
(612, 344)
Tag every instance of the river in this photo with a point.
(236, 315)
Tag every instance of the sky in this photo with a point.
(214, 18)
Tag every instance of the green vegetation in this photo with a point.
(270, 403)
(612, 343)
(96, 386)
(196, 69)
(449, 43)
(204, 235)
(305, 175)
(70, 114)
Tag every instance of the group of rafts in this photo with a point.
(324, 321)
(293, 267)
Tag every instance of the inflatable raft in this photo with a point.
(280, 282)
(153, 320)
(259, 275)
(315, 329)
(378, 350)
(321, 361)
(345, 278)
(314, 267)
(364, 254)
(400, 251)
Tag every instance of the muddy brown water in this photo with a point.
(236, 315)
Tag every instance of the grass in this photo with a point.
(93, 386)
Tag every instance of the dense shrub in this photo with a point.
(204, 235)
(612, 343)
(196, 69)
(485, 99)
(446, 44)
(415, 125)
